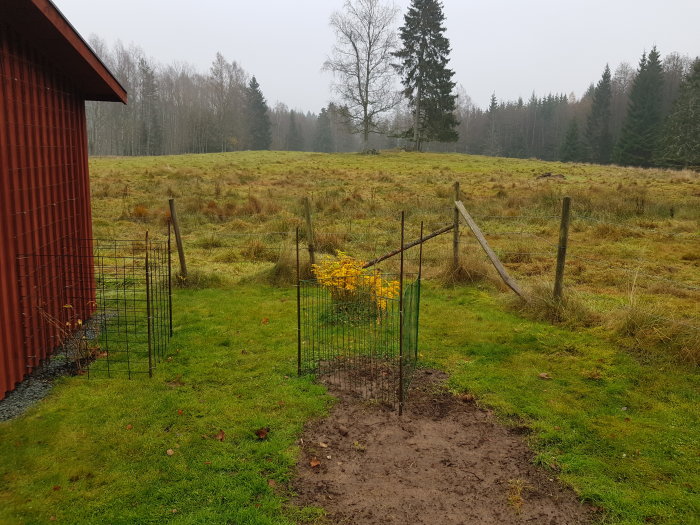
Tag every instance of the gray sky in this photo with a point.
(511, 47)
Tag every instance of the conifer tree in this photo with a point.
(295, 141)
(323, 140)
(680, 140)
(599, 143)
(259, 127)
(492, 146)
(571, 148)
(427, 80)
(640, 132)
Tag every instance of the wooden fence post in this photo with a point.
(561, 249)
(178, 239)
(455, 231)
(309, 229)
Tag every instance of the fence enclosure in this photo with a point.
(359, 332)
(115, 322)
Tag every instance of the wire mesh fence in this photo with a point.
(113, 321)
(360, 341)
(358, 328)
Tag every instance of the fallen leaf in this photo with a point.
(271, 483)
(323, 445)
(52, 518)
(180, 412)
(265, 320)
(544, 375)
(170, 452)
(56, 487)
(466, 398)
(207, 462)
(244, 352)
(262, 432)
(314, 462)
(220, 436)
(174, 511)
(129, 426)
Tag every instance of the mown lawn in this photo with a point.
(624, 433)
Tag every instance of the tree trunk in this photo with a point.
(416, 120)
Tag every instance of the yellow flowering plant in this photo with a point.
(347, 281)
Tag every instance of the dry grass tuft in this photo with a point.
(197, 280)
(330, 242)
(542, 306)
(472, 269)
(645, 329)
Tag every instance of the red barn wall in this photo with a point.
(44, 206)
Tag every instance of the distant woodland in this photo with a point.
(643, 115)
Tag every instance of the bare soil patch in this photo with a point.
(444, 461)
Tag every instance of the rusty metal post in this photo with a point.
(420, 274)
(170, 280)
(148, 312)
(561, 249)
(401, 320)
(298, 307)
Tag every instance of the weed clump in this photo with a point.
(198, 280)
(541, 305)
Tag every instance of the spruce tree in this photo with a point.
(599, 143)
(492, 146)
(323, 140)
(259, 127)
(641, 130)
(571, 147)
(680, 140)
(295, 142)
(426, 79)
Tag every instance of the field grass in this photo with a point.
(619, 419)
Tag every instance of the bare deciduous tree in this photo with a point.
(361, 62)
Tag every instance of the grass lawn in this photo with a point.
(624, 433)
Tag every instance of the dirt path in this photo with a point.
(444, 461)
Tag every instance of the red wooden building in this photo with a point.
(47, 72)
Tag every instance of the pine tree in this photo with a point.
(599, 143)
(680, 140)
(323, 141)
(640, 132)
(427, 80)
(259, 127)
(571, 147)
(295, 142)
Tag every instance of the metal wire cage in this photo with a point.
(113, 322)
(357, 339)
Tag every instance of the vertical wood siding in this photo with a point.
(44, 207)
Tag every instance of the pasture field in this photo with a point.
(618, 419)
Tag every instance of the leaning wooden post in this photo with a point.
(455, 231)
(561, 250)
(178, 239)
(309, 229)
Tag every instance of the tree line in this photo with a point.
(395, 89)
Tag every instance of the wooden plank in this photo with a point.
(409, 245)
(489, 252)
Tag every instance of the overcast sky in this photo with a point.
(510, 47)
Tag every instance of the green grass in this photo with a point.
(73, 457)
(623, 433)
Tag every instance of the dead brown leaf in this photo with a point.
(180, 412)
(266, 320)
(220, 435)
(544, 375)
(56, 487)
(271, 483)
(262, 432)
(314, 462)
(129, 426)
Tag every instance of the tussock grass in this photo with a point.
(541, 305)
